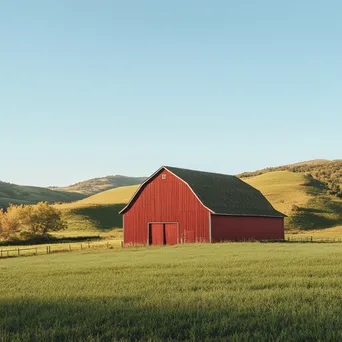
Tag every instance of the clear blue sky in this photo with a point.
(91, 88)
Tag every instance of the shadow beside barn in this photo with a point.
(102, 217)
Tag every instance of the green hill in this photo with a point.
(299, 196)
(96, 185)
(20, 194)
(327, 172)
(97, 214)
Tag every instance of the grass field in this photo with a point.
(233, 291)
(329, 233)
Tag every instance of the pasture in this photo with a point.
(235, 291)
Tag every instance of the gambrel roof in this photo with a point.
(220, 193)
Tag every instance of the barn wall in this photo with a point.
(167, 200)
(237, 228)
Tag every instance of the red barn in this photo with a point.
(179, 206)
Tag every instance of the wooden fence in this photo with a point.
(313, 239)
(56, 248)
(11, 252)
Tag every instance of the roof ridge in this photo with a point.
(200, 171)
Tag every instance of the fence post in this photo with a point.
(122, 244)
(81, 246)
(36, 251)
(18, 252)
(70, 248)
(88, 244)
(49, 249)
(0, 253)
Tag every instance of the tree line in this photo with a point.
(30, 221)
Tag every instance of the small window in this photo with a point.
(164, 176)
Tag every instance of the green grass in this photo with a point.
(114, 196)
(96, 220)
(234, 291)
(97, 214)
(20, 194)
(284, 189)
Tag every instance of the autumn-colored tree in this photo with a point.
(11, 220)
(43, 218)
(30, 220)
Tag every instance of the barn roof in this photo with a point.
(222, 194)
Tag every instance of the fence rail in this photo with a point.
(64, 247)
(313, 239)
(57, 248)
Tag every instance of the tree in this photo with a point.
(11, 220)
(43, 218)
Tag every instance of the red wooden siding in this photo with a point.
(166, 200)
(237, 228)
(189, 236)
(171, 233)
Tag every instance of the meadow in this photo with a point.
(232, 291)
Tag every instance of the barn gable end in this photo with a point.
(164, 199)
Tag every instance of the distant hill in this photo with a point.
(299, 196)
(327, 172)
(96, 185)
(120, 195)
(20, 194)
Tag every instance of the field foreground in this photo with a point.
(240, 291)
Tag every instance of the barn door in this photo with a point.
(157, 236)
(171, 233)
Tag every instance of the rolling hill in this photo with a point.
(299, 196)
(327, 172)
(96, 185)
(308, 192)
(20, 194)
(97, 214)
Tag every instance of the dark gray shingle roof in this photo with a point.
(225, 194)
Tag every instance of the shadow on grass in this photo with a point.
(102, 217)
(321, 212)
(314, 187)
(129, 318)
(49, 240)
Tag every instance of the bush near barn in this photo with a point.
(30, 221)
